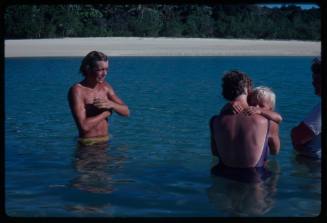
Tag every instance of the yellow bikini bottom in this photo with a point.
(93, 140)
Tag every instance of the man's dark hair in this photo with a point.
(316, 66)
(89, 61)
(234, 84)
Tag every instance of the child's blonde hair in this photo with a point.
(262, 94)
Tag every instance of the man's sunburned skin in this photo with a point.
(93, 100)
(91, 110)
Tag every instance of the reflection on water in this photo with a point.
(236, 198)
(307, 167)
(96, 165)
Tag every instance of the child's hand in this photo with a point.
(237, 107)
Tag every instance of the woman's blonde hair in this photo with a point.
(262, 94)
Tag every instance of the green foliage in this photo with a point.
(144, 21)
(215, 21)
(171, 28)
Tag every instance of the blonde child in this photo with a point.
(262, 101)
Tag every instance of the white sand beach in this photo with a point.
(135, 46)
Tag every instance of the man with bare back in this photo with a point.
(241, 142)
(93, 100)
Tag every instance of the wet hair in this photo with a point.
(234, 84)
(316, 66)
(262, 94)
(89, 61)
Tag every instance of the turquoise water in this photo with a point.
(158, 162)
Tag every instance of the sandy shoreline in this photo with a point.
(135, 46)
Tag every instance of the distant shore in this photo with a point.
(136, 46)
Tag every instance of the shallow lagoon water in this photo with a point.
(158, 161)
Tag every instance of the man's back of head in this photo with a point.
(235, 83)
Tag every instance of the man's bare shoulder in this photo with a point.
(76, 89)
(252, 120)
(213, 119)
(108, 88)
(258, 119)
(107, 85)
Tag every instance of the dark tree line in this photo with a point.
(154, 20)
